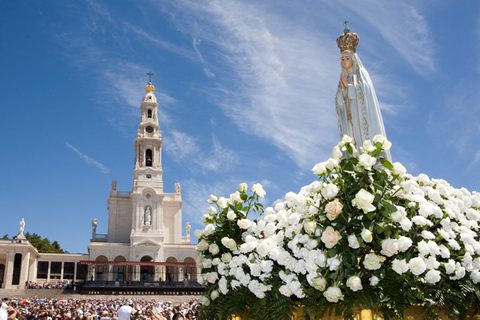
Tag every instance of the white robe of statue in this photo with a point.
(358, 112)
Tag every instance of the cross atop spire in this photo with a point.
(150, 74)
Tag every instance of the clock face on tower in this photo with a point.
(149, 129)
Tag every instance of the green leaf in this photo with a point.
(386, 163)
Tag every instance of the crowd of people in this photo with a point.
(96, 309)
(56, 285)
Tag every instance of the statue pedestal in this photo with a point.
(20, 236)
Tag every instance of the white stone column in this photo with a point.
(48, 271)
(9, 270)
(24, 269)
(33, 270)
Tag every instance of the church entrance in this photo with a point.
(147, 273)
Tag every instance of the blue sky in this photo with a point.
(246, 92)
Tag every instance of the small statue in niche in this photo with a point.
(148, 216)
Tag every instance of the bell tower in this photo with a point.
(148, 145)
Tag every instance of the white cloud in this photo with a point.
(89, 160)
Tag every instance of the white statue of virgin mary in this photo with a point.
(358, 112)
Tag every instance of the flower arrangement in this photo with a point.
(364, 235)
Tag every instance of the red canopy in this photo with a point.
(138, 263)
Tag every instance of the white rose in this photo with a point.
(231, 215)
(399, 266)
(222, 202)
(399, 169)
(319, 283)
(433, 276)
(404, 243)
(337, 153)
(333, 294)
(229, 243)
(317, 186)
(214, 249)
(202, 245)
(212, 277)
(330, 237)
(367, 147)
(417, 266)
(204, 301)
(206, 263)
(346, 139)
(353, 242)
(319, 169)
(235, 197)
(331, 163)
(367, 161)
(363, 200)
(354, 283)
(333, 209)
(244, 223)
(212, 199)
(198, 233)
(374, 281)
(330, 191)
(212, 211)
(389, 247)
(214, 295)
(243, 187)
(383, 141)
(258, 189)
(373, 262)
(226, 257)
(367, 235)
(209, 229)
(309, 226)
(398, 215)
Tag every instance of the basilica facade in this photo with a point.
(144, 242)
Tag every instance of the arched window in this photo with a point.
(149, 113)
(148, 158)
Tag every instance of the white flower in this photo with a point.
(331, 163)
(258, 189)
(309, 226)
(243, 187)
(226, 257)
(399, 215)
(231, 215)
(399, 266)
(214, 295)
(383, 141)
(333, 209)
(330, 237)
(417, 266)
(214, 249)
(211, 277)
(209, 229)
(333, 294)
(433, 276)
(367, 147)
(367, 161)
(354, 283)
(319, 169)
(389, 247)
(235, 197)
(329, 191)
(367, 235)
(399, 169)
(204, 301)
(404, 243)
(333, 263)
(319, 283)
(229, 243)
(353, 242)
(198, 233)
(372, 261)
(212, 199)
(202, 245)
(244, 223)
(222, 202)
(363, 200)
(337, 153)
(406, 224)
(374, 281)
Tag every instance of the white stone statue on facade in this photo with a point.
(188, 227)
(114, 185)
(358, 111)
(94, 227)
(177, 188)
(22, 227)
(148, 216)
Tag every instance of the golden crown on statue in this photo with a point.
(348, 41)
